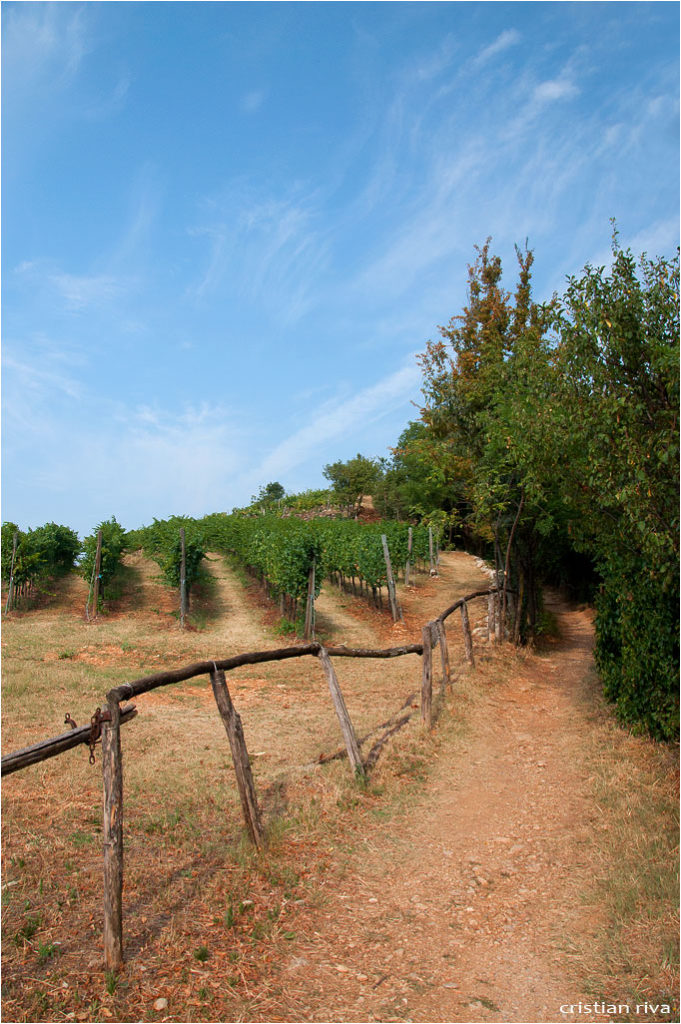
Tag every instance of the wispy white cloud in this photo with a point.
(269, 250)
(431, 232)
(252, 101)
(76, 292)
(217, 235)
(45, 54)
(425, 69)
(110, 103)
(146, 190)
(137, 464)
(537, 100)
(553, 90)
(337, 420)
(39, 380)
(504, 41)
(43, 45)
(81, 291)
(660, 238)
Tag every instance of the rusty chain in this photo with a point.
(95, 728)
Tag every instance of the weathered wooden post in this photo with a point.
(242, 764)
(112, 779)
(490, 616)
(10, 592)
(98, 573)
(407, 568)
(309, 607)
(183, 577)
(351, 744)
(427, 676)
(394, 607)
(444, 652)
(467, 636)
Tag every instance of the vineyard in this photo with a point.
(211, 926)
(283, 553)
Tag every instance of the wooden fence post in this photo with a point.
(309, 607)
(467, 637)
(98, 571)
(183, 577)
(444, 653)
(242, 764)
(407, 567)
(397, 614)
(490, 616)
(10, 592)
(112, 779)
(427, 676)
(351, 744)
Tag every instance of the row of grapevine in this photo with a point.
(32, 556)
(161, 542)
(355, 550)
(281, 551)
(99, 573)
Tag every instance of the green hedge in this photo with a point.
(637, 651)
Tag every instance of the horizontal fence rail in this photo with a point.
(19, 759)
(201, 668)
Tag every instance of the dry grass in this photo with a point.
(635, 856)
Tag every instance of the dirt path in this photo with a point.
(240, 623)
(235, 626)
(459, 910)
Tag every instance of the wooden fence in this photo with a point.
(109, 722)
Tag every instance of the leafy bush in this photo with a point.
(637, 652)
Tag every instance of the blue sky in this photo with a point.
(229, 228)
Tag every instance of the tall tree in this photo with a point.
(482, 384)
(354, 479)
(414, 482)
(562, 421)
(618, 420)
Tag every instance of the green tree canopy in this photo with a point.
(270, 493)
(617, 421)
(559, 423)
(354, 479)
(483, 383)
